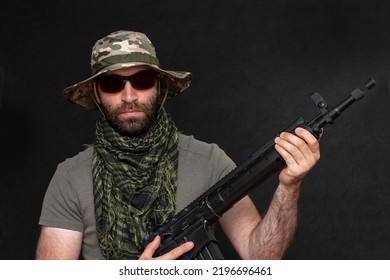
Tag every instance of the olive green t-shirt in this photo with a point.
(69, 202)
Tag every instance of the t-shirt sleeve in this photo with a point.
(220, 164)
(60, 206)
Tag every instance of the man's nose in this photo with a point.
(129, 94)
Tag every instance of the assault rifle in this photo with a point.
(193, 223)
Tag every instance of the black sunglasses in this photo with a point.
(112, 83)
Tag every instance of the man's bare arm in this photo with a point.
(59, 244)
(268, 238)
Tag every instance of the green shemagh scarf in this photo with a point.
(134, 182)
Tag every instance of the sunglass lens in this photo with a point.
(111, 83)
(143, 80)
(114, 83)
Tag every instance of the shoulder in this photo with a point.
(73, 176)
(191, 146)
(82, 159)
(206, 160)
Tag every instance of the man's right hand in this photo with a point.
(171, 255)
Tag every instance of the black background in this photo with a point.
(254, 63)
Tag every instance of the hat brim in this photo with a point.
(82, 93)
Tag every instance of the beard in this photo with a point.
(133, 126)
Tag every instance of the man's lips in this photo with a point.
(131, 113)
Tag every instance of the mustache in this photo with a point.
(130, 106)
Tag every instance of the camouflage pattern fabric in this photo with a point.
(124, 49)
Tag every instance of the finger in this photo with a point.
(304, 142)
(287, 157)
(311, 141)
(306, 135)
(296, 152)
(287, 145)
(178, 251)
(151, 249)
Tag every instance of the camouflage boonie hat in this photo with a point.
(123, 49)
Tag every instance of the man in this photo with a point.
(106, 201)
